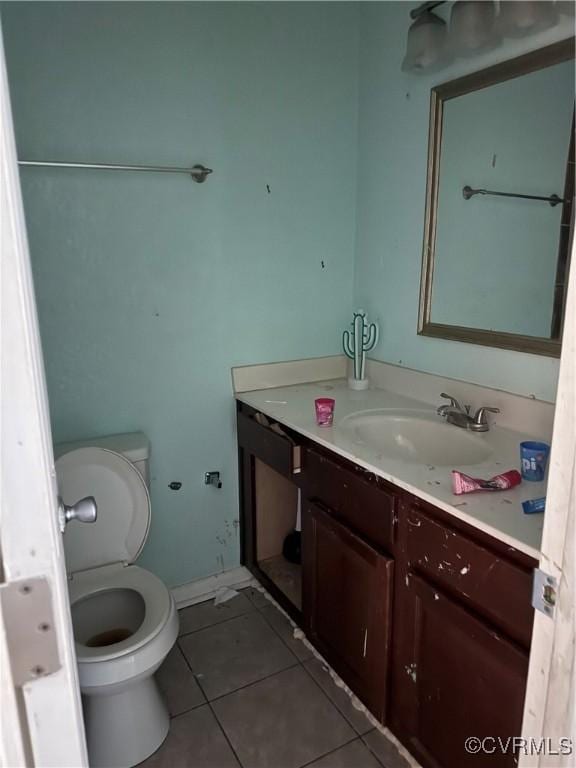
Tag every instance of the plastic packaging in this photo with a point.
(532, 506)
(462, 483)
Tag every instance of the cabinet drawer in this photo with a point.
(496, 587)
(367, 508)
(278, 451)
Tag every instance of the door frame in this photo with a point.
(42, 717)
(549, 709)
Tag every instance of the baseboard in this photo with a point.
(204, 589)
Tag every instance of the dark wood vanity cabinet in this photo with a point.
(427, 619)
(348, 572)
(347, 604)
(462, 626)
(462, 679)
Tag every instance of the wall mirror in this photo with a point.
(499, 215)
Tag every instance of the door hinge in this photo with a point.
(26, 607)
(544, 592)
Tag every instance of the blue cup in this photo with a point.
(533, 460)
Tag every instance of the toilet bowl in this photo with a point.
(124, 618)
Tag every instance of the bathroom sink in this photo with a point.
(416, 437)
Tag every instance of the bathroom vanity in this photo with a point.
(415, 598)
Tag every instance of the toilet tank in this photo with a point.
(134, 446)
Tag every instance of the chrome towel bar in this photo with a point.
(198, 172)
(468, 192)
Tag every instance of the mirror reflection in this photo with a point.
(501, 181)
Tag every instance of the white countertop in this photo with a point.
(498, 513)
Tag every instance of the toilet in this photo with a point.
(124, 618)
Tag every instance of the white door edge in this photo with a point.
(47, 710)
(549, 710)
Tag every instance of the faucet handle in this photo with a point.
(453, 402)
(480, 416)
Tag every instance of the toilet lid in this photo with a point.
(123, 520)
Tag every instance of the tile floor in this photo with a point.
(243, 692)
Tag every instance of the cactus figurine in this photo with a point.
(356, 342)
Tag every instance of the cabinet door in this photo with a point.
(464, 678)
(347, 594)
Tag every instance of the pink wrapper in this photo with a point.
(324, 411)
(462, 483)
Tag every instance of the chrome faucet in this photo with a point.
(460, 417)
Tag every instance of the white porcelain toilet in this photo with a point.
(125, 619)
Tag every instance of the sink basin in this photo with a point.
(415, 437)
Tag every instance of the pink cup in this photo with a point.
(324, 411)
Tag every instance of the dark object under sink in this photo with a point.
(292, 547)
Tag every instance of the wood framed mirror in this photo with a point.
(499, 205)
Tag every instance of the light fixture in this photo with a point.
(472, 27)
(426, 50)
(566, 7)
(519, 18)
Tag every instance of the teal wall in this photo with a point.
(150, 287)
(391, 178)
(495, 260)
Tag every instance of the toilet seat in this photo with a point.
(156, 597)
(102, 669)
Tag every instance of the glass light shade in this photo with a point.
(519, 18)
(426, 50)
(472, 27)
(566, 7)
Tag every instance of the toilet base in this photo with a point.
(125, 727)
